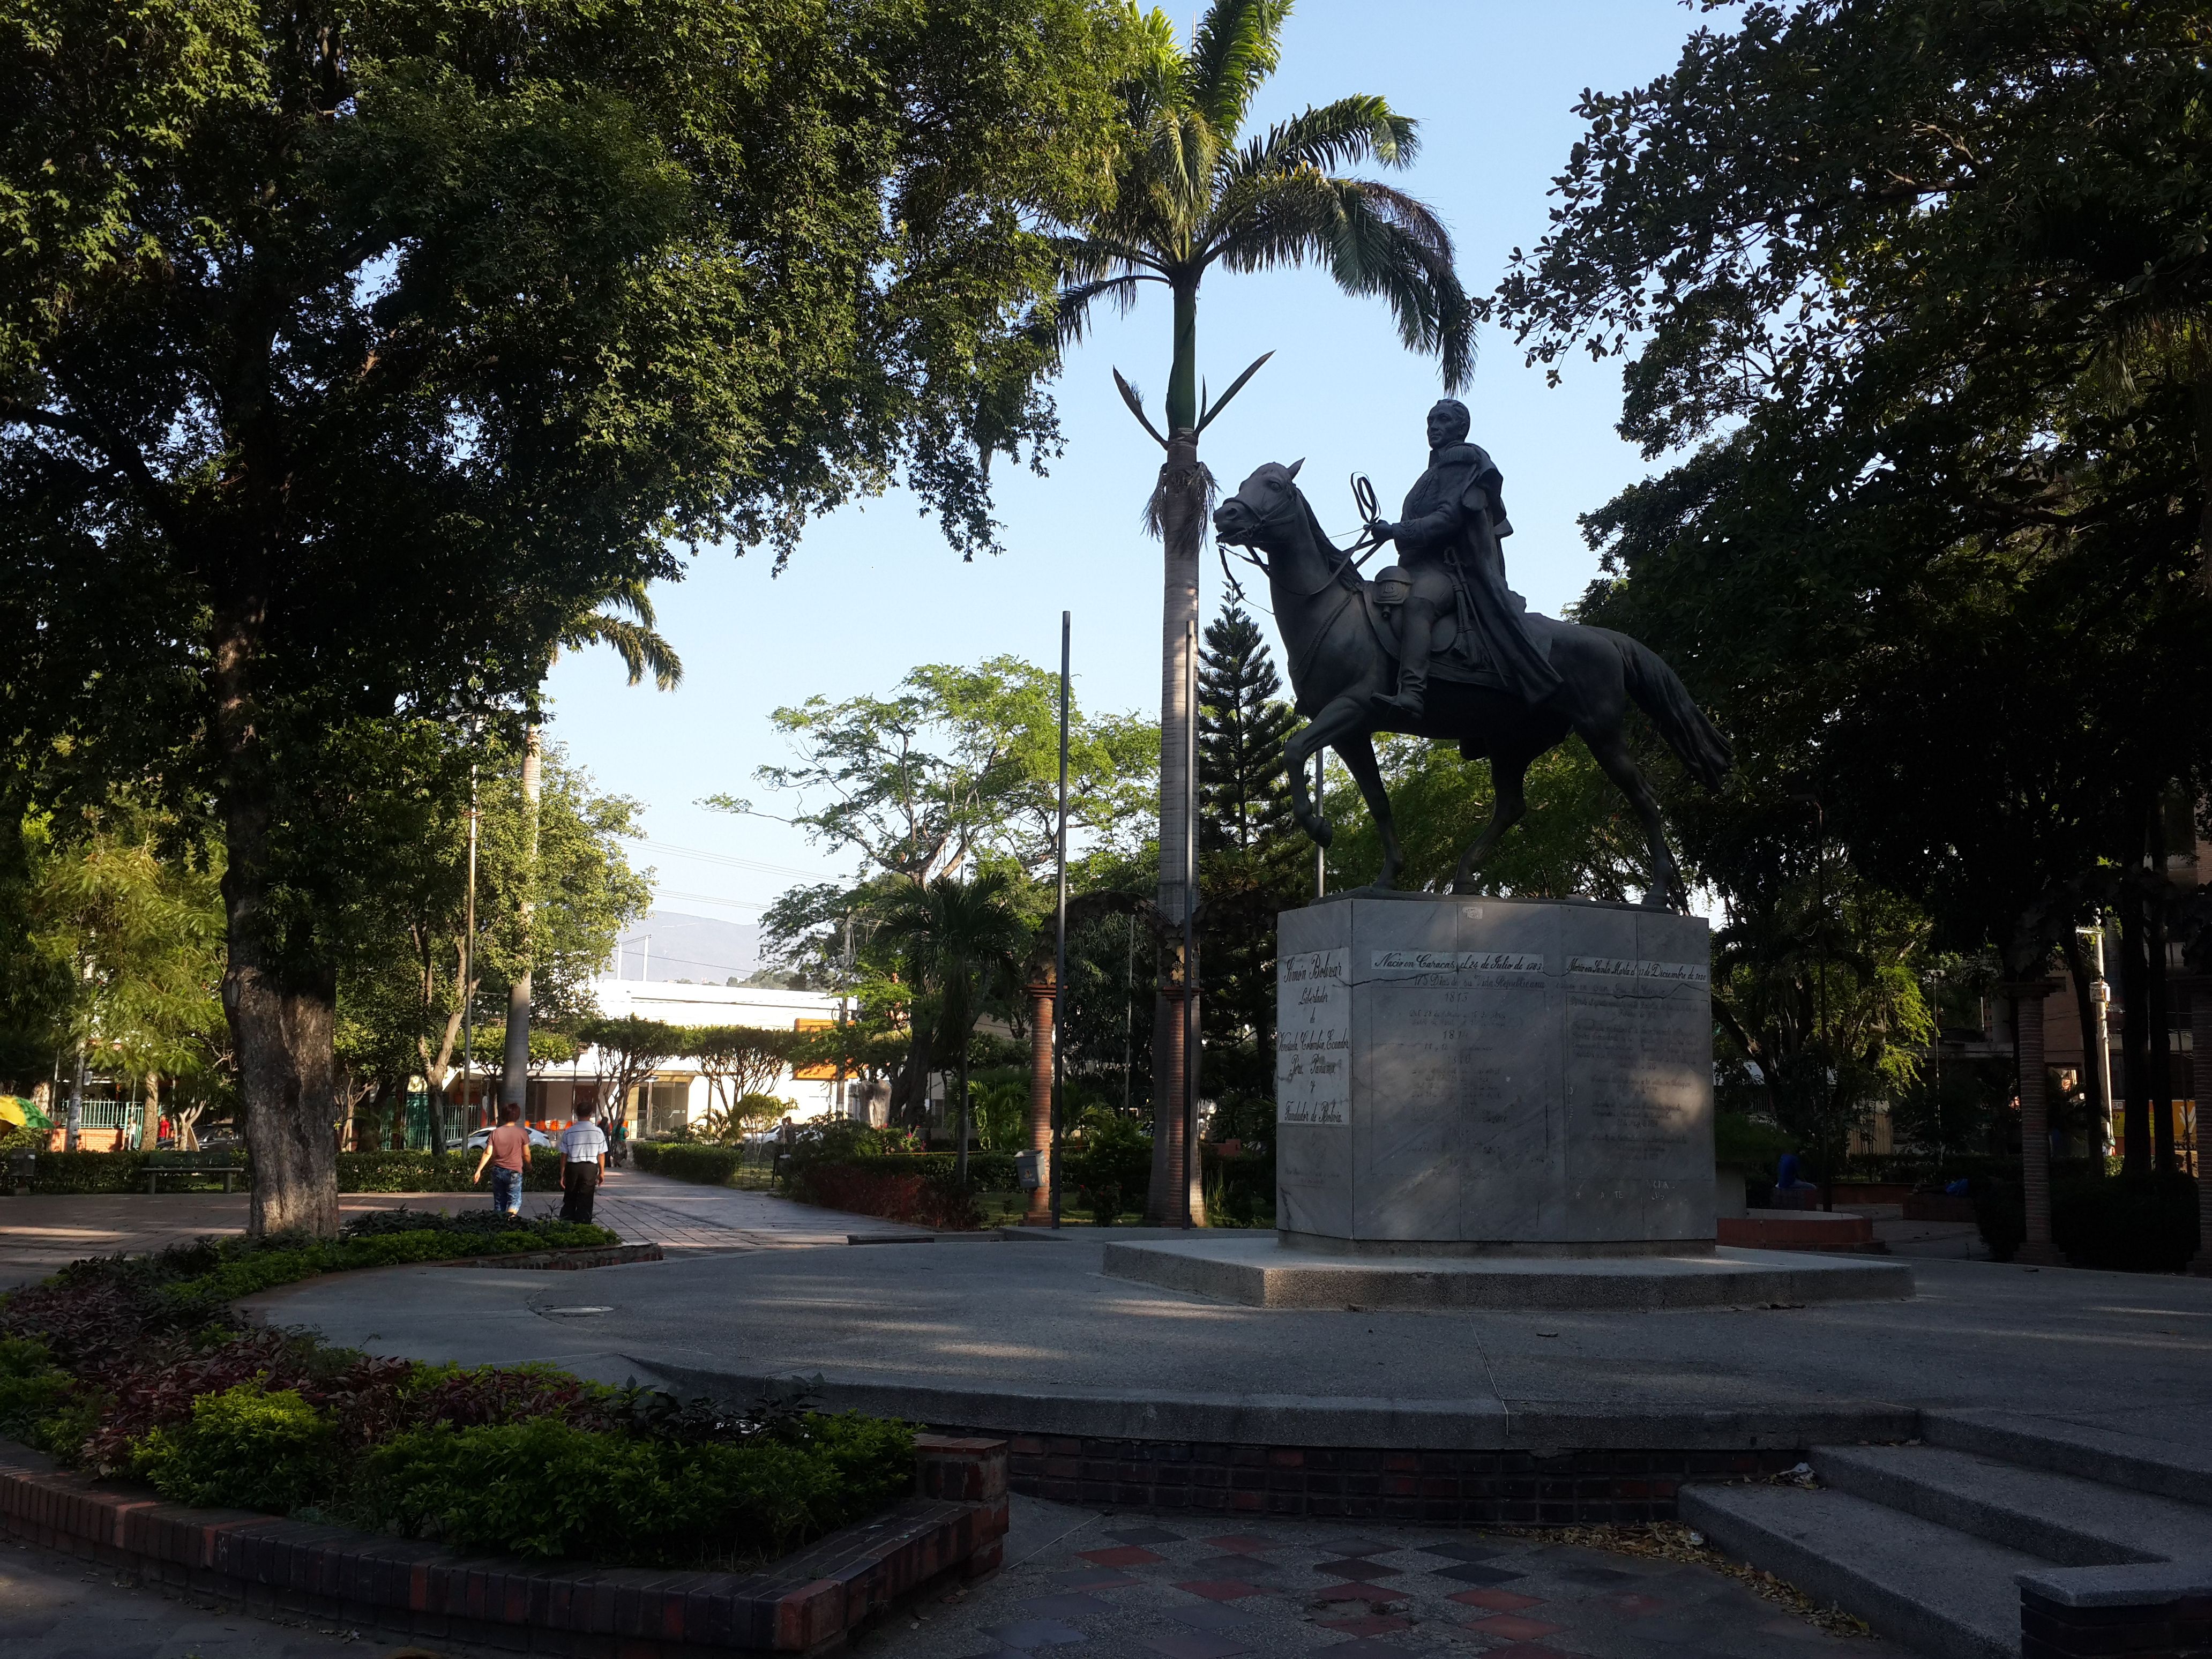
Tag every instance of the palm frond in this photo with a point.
(1237, 46)
(1359, 128)
(1374, 241)
(1064, 319)
(643, 651)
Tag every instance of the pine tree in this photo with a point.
(1244, 800)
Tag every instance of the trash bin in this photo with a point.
(22, 1168)
(1027, 1170)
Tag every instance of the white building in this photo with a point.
(677, 1093)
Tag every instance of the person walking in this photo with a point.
(583, 1162)
(506, 1154)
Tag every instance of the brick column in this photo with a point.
(1041, 1037)
(2027, 997)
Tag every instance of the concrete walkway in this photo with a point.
(39, 1234)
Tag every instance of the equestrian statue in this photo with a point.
(1438, 646)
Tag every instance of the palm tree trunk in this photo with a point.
(1179, 505)
(514, 1086)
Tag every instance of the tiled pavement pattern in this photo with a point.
(1084, 1586)
(39, 1234)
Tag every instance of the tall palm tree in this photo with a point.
(1189, 197)
(964, 943)
(643, 651)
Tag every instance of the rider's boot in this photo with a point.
(1412, 666)
(1411, 701)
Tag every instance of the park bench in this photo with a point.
(192, 1166)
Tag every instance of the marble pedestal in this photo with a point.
(1488, 1103)
(1472, 1076)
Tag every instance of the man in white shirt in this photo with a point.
(583, 1161)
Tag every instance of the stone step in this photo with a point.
(1944, 1593)
(2173, 1469)
(2060, 1517)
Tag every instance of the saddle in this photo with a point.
(1454, 652)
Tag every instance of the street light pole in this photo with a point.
(468, 973)
(1321, 852)
(1059, 933)
(2100, 998)
(1190, 1024)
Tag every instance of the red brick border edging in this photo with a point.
(955, 1522)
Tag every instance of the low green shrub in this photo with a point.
(2120, 1224)
(688, 1160)
(244, 1447)
(2124, 1224)
(438, 1172)
(32, 1387)
(1110, 1173)
(77, 1173)
(545, 1487)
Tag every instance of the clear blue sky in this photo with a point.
(873, 591)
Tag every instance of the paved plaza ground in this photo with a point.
(955, 1331)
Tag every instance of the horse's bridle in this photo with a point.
(1362, 493)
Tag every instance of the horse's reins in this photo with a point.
(1363, 548)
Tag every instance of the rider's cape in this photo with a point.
(1456, 514)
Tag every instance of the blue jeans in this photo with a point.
(506, 1190)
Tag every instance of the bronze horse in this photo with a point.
(1341, 660)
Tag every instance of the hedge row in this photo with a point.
(358, 1172)
(2121, 1223)
(688, 1160)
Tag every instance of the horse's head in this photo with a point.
(1266, 501)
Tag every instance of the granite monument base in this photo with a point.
(1256, 1269)
(1462, 1076)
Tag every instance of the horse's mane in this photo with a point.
(1346, 576)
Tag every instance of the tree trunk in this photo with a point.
(2200, 1037)
(282, 1015)
(2034, 1121)
(73, 1132)
(1180, 506)
(1040, 1041)
(514, 1085)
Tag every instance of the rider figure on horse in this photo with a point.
(1448, 542)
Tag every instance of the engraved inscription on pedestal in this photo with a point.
(1520, 1071)
(1313, 1044)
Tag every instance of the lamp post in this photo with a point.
(2100, 998)
(1059, 934)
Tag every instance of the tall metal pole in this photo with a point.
(1059, 934)
(1190, 1062)
(1321, 852)
(468, 972)
(2101, 998)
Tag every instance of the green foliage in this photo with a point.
(1187, 197)
(1938, 567)
(1245, 796)
(2122, 1223)
(32, 1387)
(363, 355)
(1742, 1139)
(545, 1488)
(1000, 1103)
(438, 1172)
(244, 1447)
(683, 1160)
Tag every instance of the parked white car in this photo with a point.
(476, 1142)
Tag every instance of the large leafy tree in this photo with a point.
(1194, 192)
(1926, 278)
(357, 348)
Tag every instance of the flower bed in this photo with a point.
(133, 1366)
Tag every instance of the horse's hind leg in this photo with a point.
(1356, 750)
(1508, 773)
(1667, 892)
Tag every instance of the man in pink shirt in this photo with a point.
(506, 1152)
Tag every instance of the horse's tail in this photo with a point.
(1659, 694)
